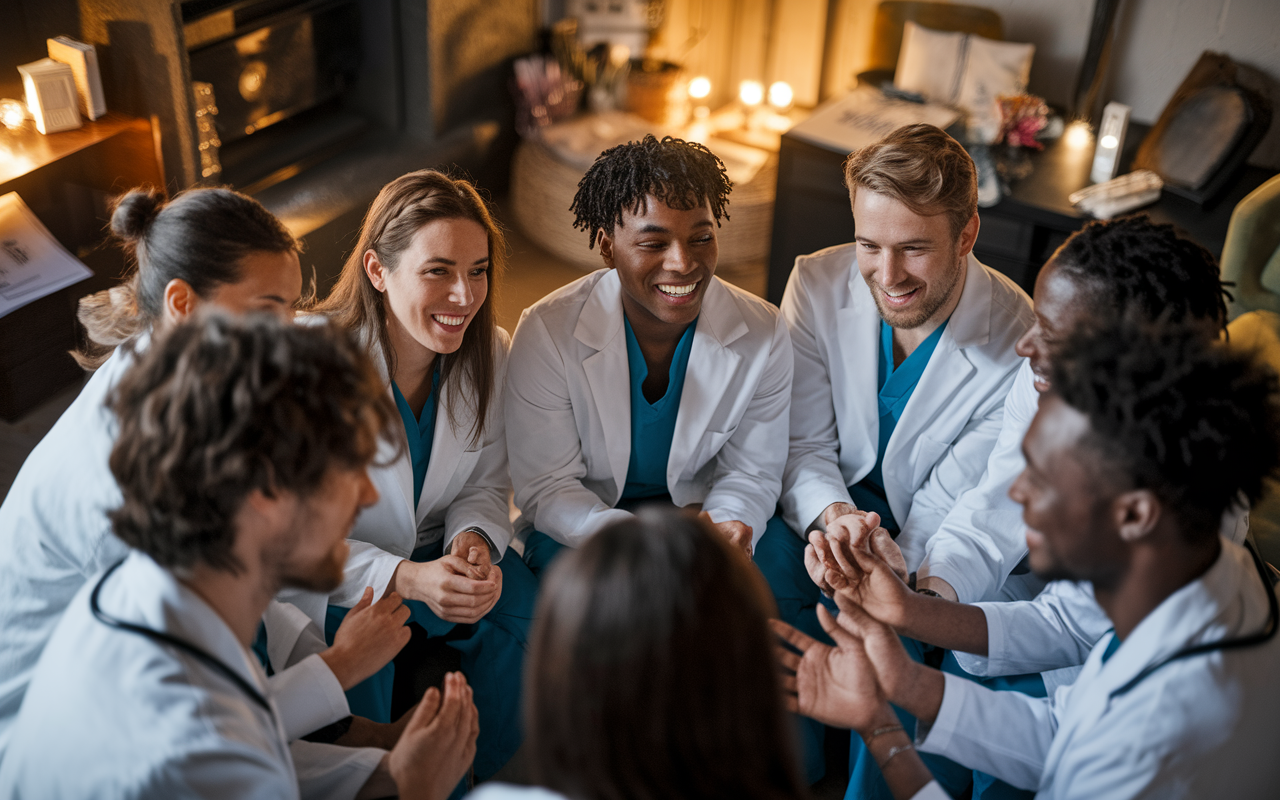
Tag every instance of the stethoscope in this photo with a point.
(209, 660)
(1268, 631)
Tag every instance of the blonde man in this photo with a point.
(904, 352)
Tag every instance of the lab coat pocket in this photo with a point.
(708, 448)
(928, 452)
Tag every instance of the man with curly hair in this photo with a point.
(242, 463)
(650, 380)
(1146, 436)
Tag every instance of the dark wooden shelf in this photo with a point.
(122, 146)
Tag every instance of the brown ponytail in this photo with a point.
(199, 237)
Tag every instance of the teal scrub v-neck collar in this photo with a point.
(895, 389)
(420, 431)
(653, 424)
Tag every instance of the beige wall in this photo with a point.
(1156, 43)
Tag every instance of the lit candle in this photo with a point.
(751, 93)
(780, 95)
(12, 113)
(1078, 135)
(700, 88)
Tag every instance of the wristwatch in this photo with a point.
(493, 550)
(911, 584)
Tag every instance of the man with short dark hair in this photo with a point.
(1144, 439)
(241, 459)
(651, 380)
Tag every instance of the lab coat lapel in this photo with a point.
(446, 448)
(858, 327)
(946, 372)
(401, 468)
(600, 328)
(711, 368)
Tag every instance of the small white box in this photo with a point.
(83, 60)
(1106, 156)
(51, 95)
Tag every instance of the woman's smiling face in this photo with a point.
(439, 283)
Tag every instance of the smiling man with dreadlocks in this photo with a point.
(650, 380)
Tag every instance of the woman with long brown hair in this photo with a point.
(651, 673)
(418, 291)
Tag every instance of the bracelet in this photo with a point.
(902, 748)
(884, 730)
(928, 592)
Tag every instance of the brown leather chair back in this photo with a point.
(893, 15)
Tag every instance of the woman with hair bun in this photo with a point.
(205, 247)
(210, 246)
(418, 291)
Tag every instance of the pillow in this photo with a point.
(964, 70)
(992, 69)
(930, 62)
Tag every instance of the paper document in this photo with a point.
(32, 263)
(865, 116)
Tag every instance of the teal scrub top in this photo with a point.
(653, 424)
(420, 431)
(1112, 647)
(896, 388)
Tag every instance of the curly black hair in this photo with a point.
(1175, 412)
(684, 175)
(1133, 262)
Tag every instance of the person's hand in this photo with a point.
(835, 511)
(817, 556)
(474, 549)
(439, 743)
(864, 577)
(909, 684)
(834, 685)
(451, 587)
(738, 533)
(369, 637)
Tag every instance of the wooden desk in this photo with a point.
(1017, 235)
(66, 179)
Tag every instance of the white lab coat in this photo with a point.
(507, 791)
(940, 445)
(466, 486)
(569, 410)
(1203, 726)
(115, 714)
(55, 534)
(983, 537)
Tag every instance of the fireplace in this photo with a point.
(319, 102)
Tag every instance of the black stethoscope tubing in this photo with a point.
(209, 660)
(1262, 636)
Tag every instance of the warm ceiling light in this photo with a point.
(699, 88)
(780, 94)
(751, 93)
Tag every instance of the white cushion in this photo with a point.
(963, 70)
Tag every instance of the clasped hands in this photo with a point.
(461, 586)
(851, 684)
